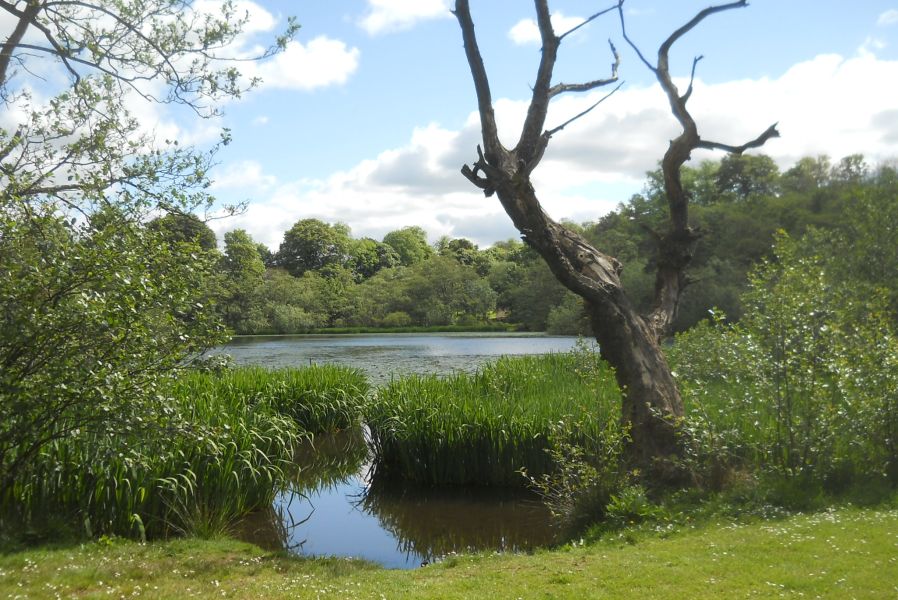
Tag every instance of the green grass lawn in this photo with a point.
(844, 553)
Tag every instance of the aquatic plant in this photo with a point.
(483, 428)
(319, 398)
(223, 446)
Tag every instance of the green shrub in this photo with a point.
(805, 386)
(584, 477)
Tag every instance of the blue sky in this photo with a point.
(369, 114)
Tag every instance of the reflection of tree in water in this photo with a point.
(329, 459)
(435, 522)
(321, 463)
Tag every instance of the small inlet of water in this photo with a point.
(337, 507)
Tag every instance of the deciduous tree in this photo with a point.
(96, 309)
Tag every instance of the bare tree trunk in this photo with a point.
(652, 406)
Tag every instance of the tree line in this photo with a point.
(322, 277)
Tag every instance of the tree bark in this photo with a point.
(630, 342)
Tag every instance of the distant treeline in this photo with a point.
(321, 277)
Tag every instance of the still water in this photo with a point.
(336, 505)
(383, 356)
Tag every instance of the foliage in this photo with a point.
(737, 205)
(805, 386)
(98, 309)
(410, 245)
(568, 318)
(222, 445)
(311, 245)
(585, 477)
(483, 428)
(242, 272)
(185, 228)
(92, 319)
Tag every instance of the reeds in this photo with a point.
(483, 428)
(320, 398)
(217, 447)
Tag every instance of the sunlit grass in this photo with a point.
(482, 428)
(844, 553)
(319, 398)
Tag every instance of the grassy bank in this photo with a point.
(846, 553)
(482, 428)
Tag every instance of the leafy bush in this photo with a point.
(95, 318)
(585, 476)
(805, 386)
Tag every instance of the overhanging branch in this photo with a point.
(561, 88)
(586, 21)
(770, 132)
(555, 130)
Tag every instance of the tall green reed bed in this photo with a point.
(482, 429)
(219, 446)
(320, 398)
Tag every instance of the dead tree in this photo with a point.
(628, 340)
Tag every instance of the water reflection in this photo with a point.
(430, 523)
(333, 509)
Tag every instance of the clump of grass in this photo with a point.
(214, 455)
(221, 445)
(483, 428)
(320, 398)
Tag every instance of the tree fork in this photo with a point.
(652, 407)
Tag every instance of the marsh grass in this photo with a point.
(320, 398)
(222, 447)
(483, 428)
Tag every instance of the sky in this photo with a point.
(370, 113)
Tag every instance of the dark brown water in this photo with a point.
(335, 509)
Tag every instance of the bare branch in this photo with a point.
(623, 27)
(481, 81)
(685, 97)
(586, 22)
(472, 176)
(561, 88)
(528, 144)
(552, 132)
(26, 18)
(698, 18)
(676, 246)
(770, 132)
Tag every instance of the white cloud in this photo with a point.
(889, 17)
(827, 105)
(872, 45)
(385, 16)
(526, 31)
(242, 175)
(320, 63)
